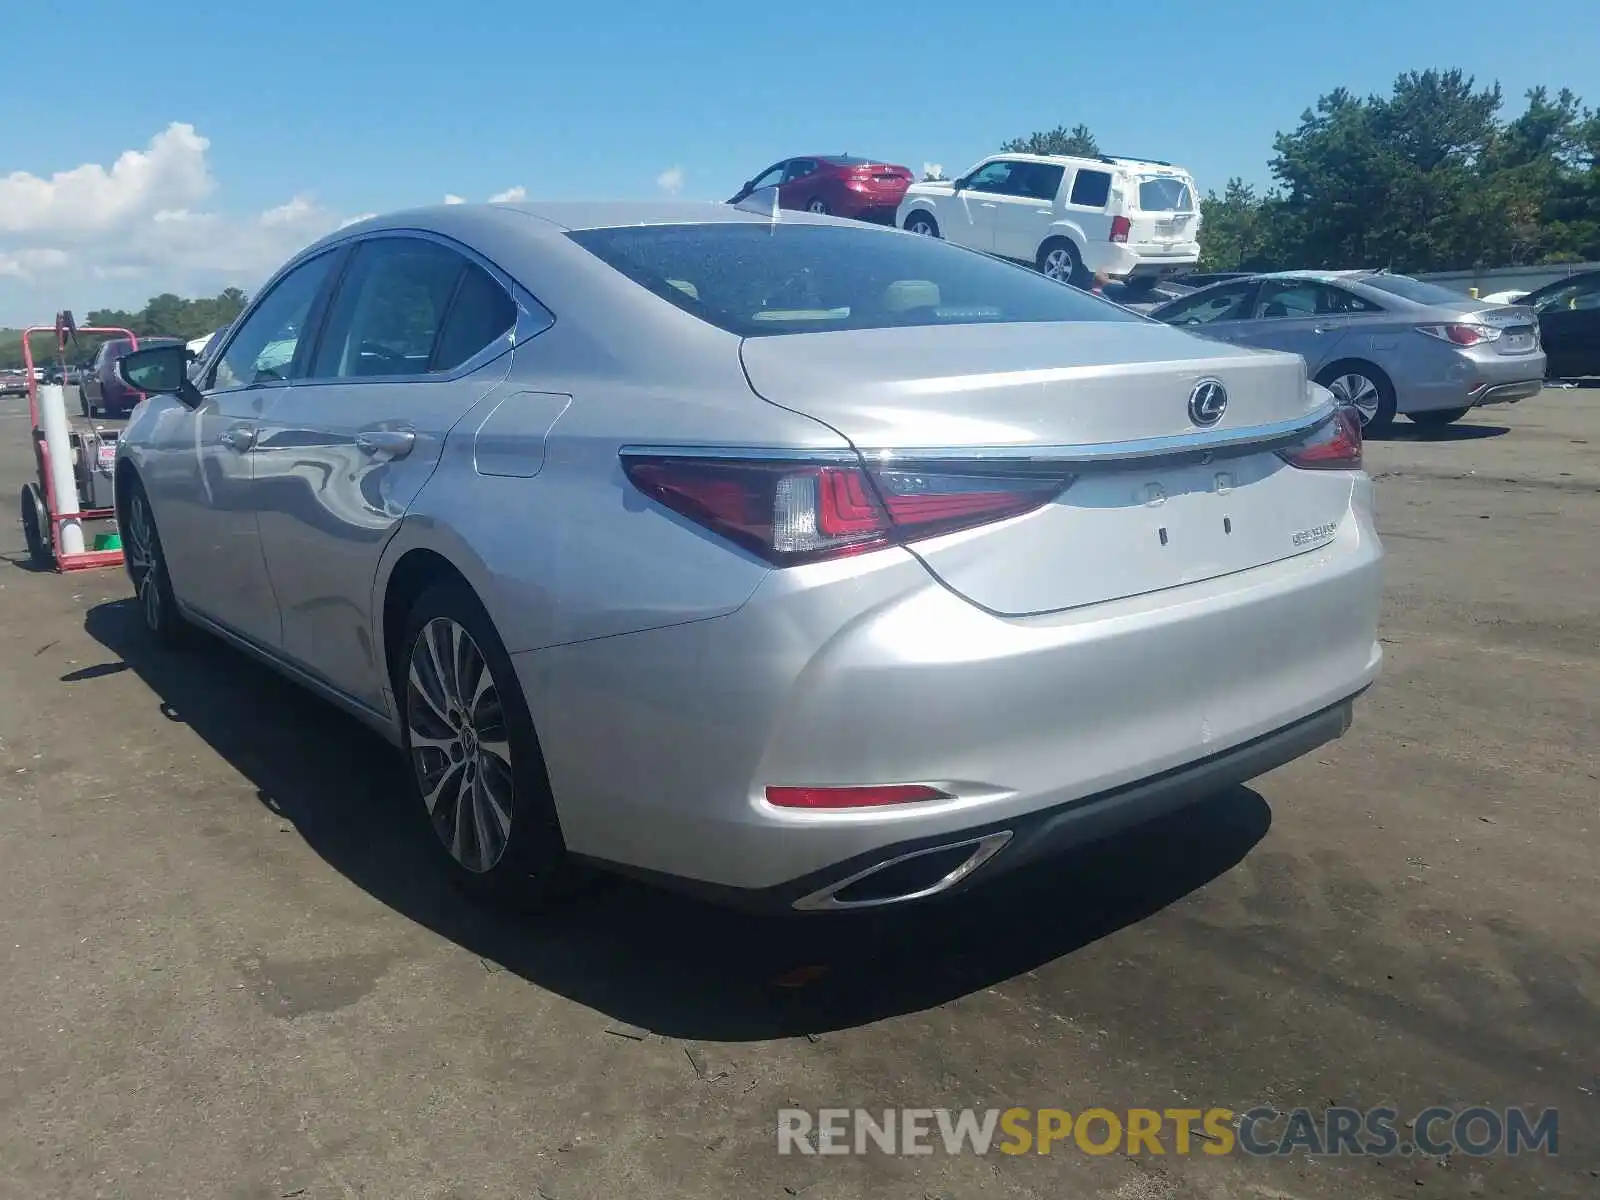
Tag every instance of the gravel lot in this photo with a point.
(227, 970)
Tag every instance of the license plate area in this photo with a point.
(1516, 343)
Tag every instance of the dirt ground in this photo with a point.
(227, 970)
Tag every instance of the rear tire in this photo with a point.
(473, 760)
(1438, 418)
(818, 205)
(1059, 260)
(922, 224)
(36, 528)
(1366, 389)
(146, 563)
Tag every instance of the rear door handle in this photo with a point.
(240, 438)
(391, 443)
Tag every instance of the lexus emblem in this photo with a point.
(1207, 402)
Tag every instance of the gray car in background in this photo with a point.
(799, 561)
(1384, 344)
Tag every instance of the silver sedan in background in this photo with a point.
(1385, 344)
(804, 563)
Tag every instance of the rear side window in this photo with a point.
(755, 279)
(1040, 181)
(1091, 189)
(389, 309)
(1165, 193)
(480, 313)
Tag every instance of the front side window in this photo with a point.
(263, 349)
(1230, 302)
(1091, 189)
(755, 279)
(771, 177)
(389, 309)
(996, 177)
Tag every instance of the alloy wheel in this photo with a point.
(143, 558)
(818, 206)
(1359, 392)
(460, 744)
(1058, 265)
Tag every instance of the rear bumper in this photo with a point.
(660, 744)
(1141, 261)
(1472, 378)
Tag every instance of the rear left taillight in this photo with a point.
(1461, 333)
(1120, 228)
(1334, 445)
(790, 512)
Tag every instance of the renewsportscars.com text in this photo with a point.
(1374, 1132)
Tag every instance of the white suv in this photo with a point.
(1071, 217)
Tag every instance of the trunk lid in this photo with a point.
(1108, 403)
(1518, 326)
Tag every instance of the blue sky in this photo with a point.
(356, 107)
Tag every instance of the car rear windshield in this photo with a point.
(1165, 193)
(760, 279)
(1415, 289)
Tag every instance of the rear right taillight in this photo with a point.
(791, 512)
(1461, 333)
(1120, 228)
(1334, 445)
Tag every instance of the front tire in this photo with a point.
(147, 570)
(921, 224)
(1438, 418)
(473, 758)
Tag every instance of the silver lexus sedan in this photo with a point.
(799, 562)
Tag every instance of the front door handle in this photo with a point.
(240, 438)
(391, 443)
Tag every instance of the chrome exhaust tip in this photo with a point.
(913, 876)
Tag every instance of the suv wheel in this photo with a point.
(1058, 260)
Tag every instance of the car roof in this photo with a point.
(558, 217)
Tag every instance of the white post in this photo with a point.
(53, 418)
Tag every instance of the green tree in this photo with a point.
(1060, 140)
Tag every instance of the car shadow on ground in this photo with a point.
(1407, 431)
(645, 957)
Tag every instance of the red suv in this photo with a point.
(863, 188)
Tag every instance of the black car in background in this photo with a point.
(100, 392)
(1569, 324)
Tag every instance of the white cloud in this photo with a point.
(98, 237)
(452, 198)
(670, 180)
(509, 196)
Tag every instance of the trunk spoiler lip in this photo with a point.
(1201, 443)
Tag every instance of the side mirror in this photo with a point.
(160, 371)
